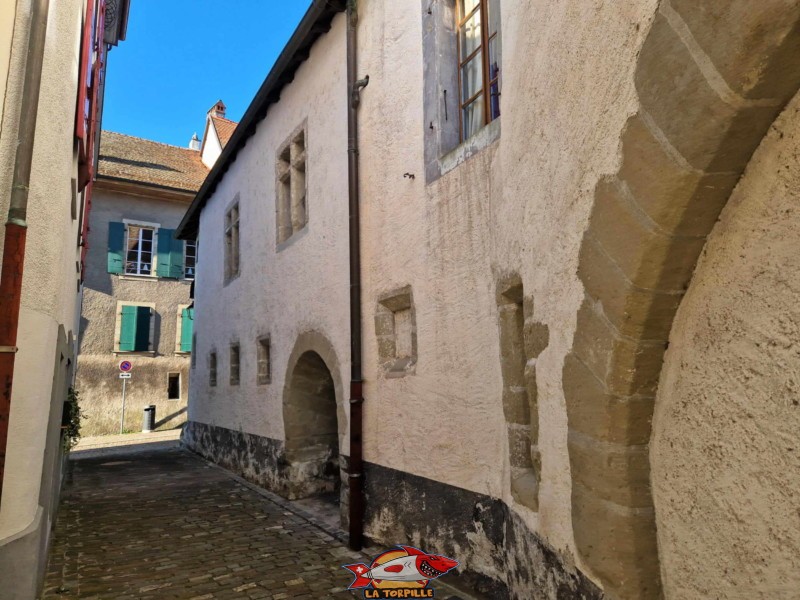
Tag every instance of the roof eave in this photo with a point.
(316, 22)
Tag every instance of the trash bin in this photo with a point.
(149, 419)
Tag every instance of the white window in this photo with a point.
(189, 259)
(140, 248)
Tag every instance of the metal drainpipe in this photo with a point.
(16, 225)
(356, 471)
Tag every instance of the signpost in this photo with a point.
(125, 368)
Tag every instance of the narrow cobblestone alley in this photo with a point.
(164, 524)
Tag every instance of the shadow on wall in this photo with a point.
(169, 418)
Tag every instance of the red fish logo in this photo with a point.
(405, 568)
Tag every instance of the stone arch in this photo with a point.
(711, 78)
(313, 417)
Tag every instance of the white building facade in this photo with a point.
(537, 188)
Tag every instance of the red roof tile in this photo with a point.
(224, 127)
(128, 158)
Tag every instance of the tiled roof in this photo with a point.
(128, 158)
(224, 129)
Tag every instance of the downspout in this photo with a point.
(356, 470)
(16, 226)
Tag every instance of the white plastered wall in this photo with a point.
(304, 286)
(519, 205)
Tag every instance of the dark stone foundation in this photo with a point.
(500, 557)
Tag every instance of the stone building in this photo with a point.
(53, 57)
(136, 303)
(579, 289)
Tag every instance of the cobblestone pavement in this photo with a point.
(165, 524)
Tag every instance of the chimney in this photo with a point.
(218, 110)
(194, 143)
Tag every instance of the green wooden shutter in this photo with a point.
(116, 247)
(170, 255)
(142, 328)
(165, 252)
(176, 258)
(127, 330)
(187, 328)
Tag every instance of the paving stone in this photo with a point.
(165, 525)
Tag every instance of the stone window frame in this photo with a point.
(231, 239)
(263, 342)
(386, 311)
(213, 367)
(118, 328)
(291, 202)
(443, 148)
(180, 377)
(522, 340)
(235, 375)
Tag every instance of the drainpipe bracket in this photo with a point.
(8, 349)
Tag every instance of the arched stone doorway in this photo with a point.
(311, 415)
(711, 78)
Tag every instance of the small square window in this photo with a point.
(234, 364)
(264, 367)
(174, 386)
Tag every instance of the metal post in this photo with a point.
(122, 419)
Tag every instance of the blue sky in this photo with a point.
(181, 56)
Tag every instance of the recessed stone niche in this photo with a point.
(522, 340)
(396, 330)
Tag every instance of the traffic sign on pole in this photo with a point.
(124, 375)
(125, 366)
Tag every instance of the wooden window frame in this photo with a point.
(482, 6)
(186, 245)
(153, 249)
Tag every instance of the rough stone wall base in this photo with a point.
(499, 555)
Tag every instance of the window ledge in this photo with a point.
(182, 353)
(128, 277)
(292, 239)
(468, 148)
(150, 353)
(401, 367)
(228, 280)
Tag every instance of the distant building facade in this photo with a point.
(50, 205)
(136, 303)
(579, 292)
